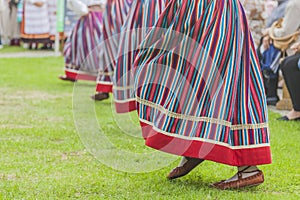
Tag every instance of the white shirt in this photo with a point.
(36, 18)
(80, 7)
(291, 22)
(2, 5)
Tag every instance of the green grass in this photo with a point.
(19, 49)
(12, 49)
(43, 157)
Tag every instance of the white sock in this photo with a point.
(183, 161)
(250, 169)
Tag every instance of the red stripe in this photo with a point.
(204, 150)
(107, 88)
(76, 76)
(125, 107)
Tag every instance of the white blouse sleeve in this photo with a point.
(291, 22)
(78, 7)
(2, 7)
(34, 1)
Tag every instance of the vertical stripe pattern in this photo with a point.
(81, 48)
(142, 16)
(113, 20)
(198, 85)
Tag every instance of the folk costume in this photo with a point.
(113, 20)
(81, 49)
(35, 25)
(141, 18)
(199, 89)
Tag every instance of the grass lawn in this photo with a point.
(43, 156)
(13, 49)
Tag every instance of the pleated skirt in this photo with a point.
(142, 16)
(198, 85)
(113, 19)
(81, 49)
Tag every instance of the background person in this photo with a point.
(289, 25)
(2, 19)
(36, 23)
(81, 49)
(13, 25)
(4, 23)
(113, 19)
(291, 72)
(277, 13)
(141, 18)
(51, 6)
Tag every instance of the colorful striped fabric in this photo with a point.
(198, 85)
(113, 20)
(142, 16)
(81, 49)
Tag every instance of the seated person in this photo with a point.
(290, 25)
(291, 72)
(277, 13)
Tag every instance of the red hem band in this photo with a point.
(205, 150)
(78, 76)
(105, 88)
(125, 107)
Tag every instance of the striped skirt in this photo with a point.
(113, 20)
(198, 85)
(142, 16)
(81, 50)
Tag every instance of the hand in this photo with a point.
(295, 47)
(266, 42)
(38, 4)
(89, 11)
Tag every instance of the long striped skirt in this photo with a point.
(142, 16)
(81, 50)
(198, 85)
(113, 20)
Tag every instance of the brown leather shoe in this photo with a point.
(100, 96)
(65, 78)
(185, 169)
(256, 179)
